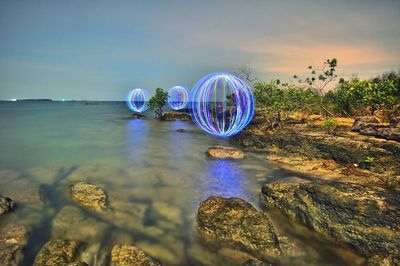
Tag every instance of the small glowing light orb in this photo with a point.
(222, 104)
(137, 99)
(178, 97)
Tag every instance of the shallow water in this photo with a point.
(154, 176)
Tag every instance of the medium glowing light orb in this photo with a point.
(178, 97)
(137, 99)
(222, 104)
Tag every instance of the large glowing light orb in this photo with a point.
(222, 104)
(137, 99)
(178, 97)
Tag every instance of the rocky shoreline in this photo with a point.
(353, 204)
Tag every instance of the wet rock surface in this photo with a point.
(361, 217)
(125, 255)
(13, 238)
(6, 205)
(223, 152)
(89, 195)
(58, 252)
(171, 116)
(235, 223)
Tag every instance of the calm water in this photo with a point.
(154, 176)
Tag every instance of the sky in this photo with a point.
(98, 50)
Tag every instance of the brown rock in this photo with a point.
(6, 205)
(395, 122)
(390, 133)
(13, 238)
(362, 217)
(392, 260)
(57, 252)
(235, 223)
(364, 122)
(222, 152)
(89, 195)
(329, 164)
(124, 255)
(171, 116)
(136, 116)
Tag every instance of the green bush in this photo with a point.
(158, 101)
(330, 122)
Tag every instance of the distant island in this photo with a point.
(26, 100)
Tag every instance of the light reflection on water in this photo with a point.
(225, 178)
(154, 176)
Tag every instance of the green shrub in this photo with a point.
(330, 122)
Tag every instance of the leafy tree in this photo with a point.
(375, 94)
(340, 100)
(319, 79)
(158, 101)
(277, 100)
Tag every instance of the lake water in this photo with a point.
(154, 175)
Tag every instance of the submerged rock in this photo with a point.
(171, 116)
(236, 223)
(357, 216)
(22, 190)
(6, 205)
(13, 238)
(70, 223)
(89, 195)
(256, 263)
(124, 255)
(58, 252)
(223, 152)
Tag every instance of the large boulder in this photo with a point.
(223, 152)
(236, 223)
(171, 116)
(89, 195)
(363, 122)
(6, 205)
(125, 255)
(58, 252)
(361, 217)
(13, 238)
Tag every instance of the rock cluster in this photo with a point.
(371, 126)
(236, 223)
(361, 217)
(89, 195)
(6, 205)
(171, 116)
(223, 152)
